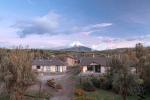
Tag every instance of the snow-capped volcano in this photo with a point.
(78, 47)
(76, 44)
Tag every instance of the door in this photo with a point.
(97, 68)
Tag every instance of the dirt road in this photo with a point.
(66, 80)
(67, 83)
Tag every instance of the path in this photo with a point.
(67, 83)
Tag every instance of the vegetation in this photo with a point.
(101, 82)
(125, 82)
(15, 73)
(88, 86)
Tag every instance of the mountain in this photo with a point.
(78, 49)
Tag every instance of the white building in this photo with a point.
(94, 65)
(52, 65)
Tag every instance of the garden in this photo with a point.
(99, 88)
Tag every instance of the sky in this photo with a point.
(55, 24)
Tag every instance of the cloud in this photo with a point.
(89, 29)
(47, 24)
(58, 41)
(48, 31)
(112, 43)
(52, 24)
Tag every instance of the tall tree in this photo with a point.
(16, 73)
(139, 50)
(122, 79)
(146, 73)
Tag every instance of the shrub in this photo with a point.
(87, 86)
(96, 82)
(107, 84)
(79, 92)
(84, 98)
(101, 82)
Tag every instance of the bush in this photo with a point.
(96, 82)
(107, 85)
(87, 86)
(83, 98)
(102, 82)
(79, 92)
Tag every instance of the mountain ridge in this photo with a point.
(78, 48)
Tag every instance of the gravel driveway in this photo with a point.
(68, 87)
(66, 80)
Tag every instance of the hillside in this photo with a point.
(78, 49)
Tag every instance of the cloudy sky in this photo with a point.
(54, 24)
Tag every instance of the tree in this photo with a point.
(16, 73)
(139, 50)
(122, 79)
(146, 73)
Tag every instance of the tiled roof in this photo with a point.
(48, 62)
(98, 60)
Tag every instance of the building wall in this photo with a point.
(70, 61)
(50, 68)
(34, 67)
(103, 69)
(84, 69)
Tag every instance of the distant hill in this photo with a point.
(78, 49)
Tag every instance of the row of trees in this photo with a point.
(126, 82)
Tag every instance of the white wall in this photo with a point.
(34, 67)
(53, 68)
(84, 69)
(64, 68)
(49, 68)
(103, 69)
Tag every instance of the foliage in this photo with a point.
(139, 50)
(84, 98)
(88, 86)
(146, 74)
(123, 81)
(96, 82)
(101, 82)
(16, 73)
(79, 92)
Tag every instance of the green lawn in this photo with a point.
(106, 95)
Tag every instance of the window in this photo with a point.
(98, 68)
(37, 67)
(90, 68)
(57, 68)
(48, 68)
